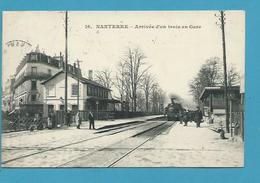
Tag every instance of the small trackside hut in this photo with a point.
(212, 100)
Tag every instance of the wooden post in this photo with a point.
(225, 70)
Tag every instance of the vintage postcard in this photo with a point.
(123, 89)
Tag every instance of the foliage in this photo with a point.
(211, 74)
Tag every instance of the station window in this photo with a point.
(51, 91)
(96, 92)
(92, 91)
(88, 90)
(33, 98)
(34, 85)
(74, 89)
(74, 107)
(50, 108)
(33, 57)
(34, 70)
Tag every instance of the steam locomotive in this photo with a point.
(174, 111)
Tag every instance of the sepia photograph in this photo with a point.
(123, 89)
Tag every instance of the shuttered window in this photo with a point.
(74, 89)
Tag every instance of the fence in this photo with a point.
(21, 122)
(14, 124)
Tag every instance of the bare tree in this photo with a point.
(135, 68)
(155, 98)
(119, 81)
(147, 86)
(122, 83)
(104, 77)
(161, 99)
(140, 101)
(128, 92)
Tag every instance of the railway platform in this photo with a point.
(108, 123)
(189, 146)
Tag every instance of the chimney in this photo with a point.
(37, 49)
(90, 74)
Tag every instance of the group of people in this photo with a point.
(51, 121)
(91, 119)
(195, 116)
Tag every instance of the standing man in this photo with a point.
(69, 118)
(198, 117)
(53, 120)
(49, 122)
(180, 116)
(91, 120)
(78, 120)
(185, 118)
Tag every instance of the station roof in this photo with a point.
(216, 89)
(92, 98)
(81, 79)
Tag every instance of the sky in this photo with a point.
(176, 47)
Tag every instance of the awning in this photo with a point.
(216, 89)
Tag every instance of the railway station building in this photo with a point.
(35, 67)
(92, 95)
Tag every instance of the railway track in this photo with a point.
(155, 132)
(110, 155)
(104, 134)
(113, 129)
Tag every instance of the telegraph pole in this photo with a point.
(222, 17)
(78, 73)
(66, 69)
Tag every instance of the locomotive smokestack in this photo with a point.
(173, 100)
